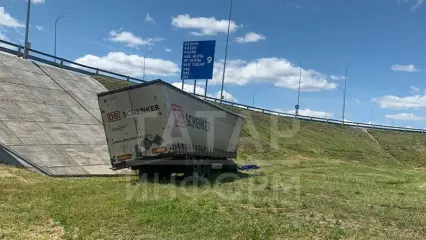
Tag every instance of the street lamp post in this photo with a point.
(26, 50)
(56, 24)
(253, 95)
(144, 57)
(226, 51)
(298, 93)
(344, 95)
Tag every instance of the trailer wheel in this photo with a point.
(207, 167)
(191, 167)
(196, 168)
(202, 168)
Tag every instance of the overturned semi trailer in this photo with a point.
(156, 127)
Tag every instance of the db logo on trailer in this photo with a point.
(114, 116)
(178, 115)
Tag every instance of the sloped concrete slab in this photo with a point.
(85, 117)
(96, 113)
(83, 155)
(98, 170)
(48, 155)
(7, 76)
(87, 134)
(18, 92)
(10, 110)
(29, 133)
(60, 133)
(51, 117)
(102, 151)
(64, 114)
(7, 137)
(69, 171)
(35, 112)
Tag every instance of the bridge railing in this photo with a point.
(45, 58)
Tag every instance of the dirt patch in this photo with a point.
(14, 175)
(51, 231)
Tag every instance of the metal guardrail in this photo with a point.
(80, 68)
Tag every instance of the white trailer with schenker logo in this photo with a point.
(155, 127)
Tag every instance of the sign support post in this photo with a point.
(205, 91)
(195, 85)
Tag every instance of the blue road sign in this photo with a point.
(297, 106)
(198, 59)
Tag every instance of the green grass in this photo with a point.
(111, 83)
(270, 137)
(305, 199)
(317, 181)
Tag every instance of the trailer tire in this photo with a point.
(196, 168)
(202, 168)
(207, 168)
(189, 169)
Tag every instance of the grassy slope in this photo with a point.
(409, 148)
(111, 83)
(316, 181)
(309, 199)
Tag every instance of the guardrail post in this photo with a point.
(128, 79)
(97, 71)
(19, 51)
(62, 63)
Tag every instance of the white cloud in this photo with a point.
(308, 112)
(226, 96)
(414, 89)
(415, 6)
(39, 28)
(167, 49)
(131, 65)
(130, 40)
(278, 71)
(390, 101)
(4, 38)
(190, 88)
(405, 116)
(357, 101)
(38, 1)
(291, 5)
(3, 35)
(150, 19)
(336, 78)
(206, 26)
(404, 68)
(250, 37)
(201, 91)
(8, 21)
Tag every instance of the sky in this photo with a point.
(271, 41)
